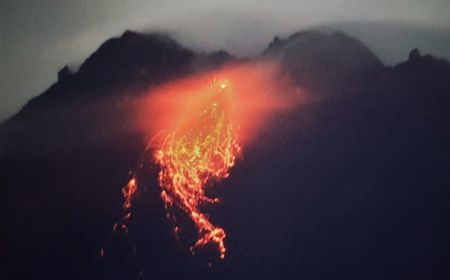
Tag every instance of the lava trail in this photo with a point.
(197, 127)
(201, 150)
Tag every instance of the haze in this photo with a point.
(37, 38)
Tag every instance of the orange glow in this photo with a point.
(202, 122)
(256, 93)
(128, 193)
(203, 147)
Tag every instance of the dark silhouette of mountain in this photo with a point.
(353, 185)
(329, 65)
(392, 41)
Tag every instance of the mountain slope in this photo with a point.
(353, 185)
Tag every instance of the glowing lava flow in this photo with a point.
(202, 149)
(128, 193)
(196, 133)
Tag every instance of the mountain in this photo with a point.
(329, 65)
(353, 185)
(379, 37)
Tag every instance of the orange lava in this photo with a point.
(201, 149)
(128, 193)
(206, 119)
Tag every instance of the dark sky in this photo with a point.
(39, 37)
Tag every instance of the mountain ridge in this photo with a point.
(88, 74)
(352, 186)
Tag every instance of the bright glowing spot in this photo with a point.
(128, 193)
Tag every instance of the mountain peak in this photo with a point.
(414, 55)
(325, 62)
(140, 58)
(64, 74)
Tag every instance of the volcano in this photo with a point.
(351, 183)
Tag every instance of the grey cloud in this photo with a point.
(40, 37)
